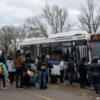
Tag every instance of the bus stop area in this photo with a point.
(54, 92)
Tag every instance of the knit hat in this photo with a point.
(18, 52)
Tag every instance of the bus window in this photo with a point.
(67, 52)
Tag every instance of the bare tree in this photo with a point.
(36, 26)
(89, 17)
(56, 18)
(8, 37)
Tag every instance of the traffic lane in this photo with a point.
(59, 95)
(20, 94)
(37, 94)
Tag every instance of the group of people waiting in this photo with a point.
(88, 73)
(24, 70)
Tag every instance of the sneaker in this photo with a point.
(4, 88)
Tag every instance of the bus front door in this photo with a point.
(81, 52)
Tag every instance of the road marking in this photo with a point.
(32, 93)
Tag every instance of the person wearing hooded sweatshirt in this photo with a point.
(3, 71)
(19, 65)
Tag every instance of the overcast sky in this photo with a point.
(14, 12)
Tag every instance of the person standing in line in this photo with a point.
(34, 70)
(41, 67)
(28, 60)
(3, 71)
(62, 71)
(19, 65)
(95, 74)
(11, 68)
(83, 73)
(71, 69)
(49, 66)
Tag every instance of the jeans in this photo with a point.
(96, 83)
(71, 77)
(42, 78)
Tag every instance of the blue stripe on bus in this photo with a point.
(57, 63)
(54, 62)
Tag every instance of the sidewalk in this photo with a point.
(75, 89)
(72, 89)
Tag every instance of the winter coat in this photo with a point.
(41, 66)
(95, 69)
(71, 67)
(33, 67)
(10, 65)
(4, 69)
(27, 60)
(83, 68)
(49, 66)
(19, 61)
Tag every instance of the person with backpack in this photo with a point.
(42, 67)
(3, 71)
(71, 69)
(11, 68)
(83, 73)
(19, 65)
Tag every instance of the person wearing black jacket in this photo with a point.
(41, 67)
(95, 74)
(26, 77)
(71, 69)
(83, 73)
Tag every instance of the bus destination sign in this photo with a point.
(95, 37)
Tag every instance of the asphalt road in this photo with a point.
(13, 93)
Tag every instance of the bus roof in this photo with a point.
(66, 36)
(70, 33)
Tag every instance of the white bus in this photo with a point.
(69, 44)
(63, 45)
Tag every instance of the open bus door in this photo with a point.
(81, 52)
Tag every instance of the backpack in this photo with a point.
(43, 66)
(1, 70)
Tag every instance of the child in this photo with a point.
(33, 69)
(3, 71)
